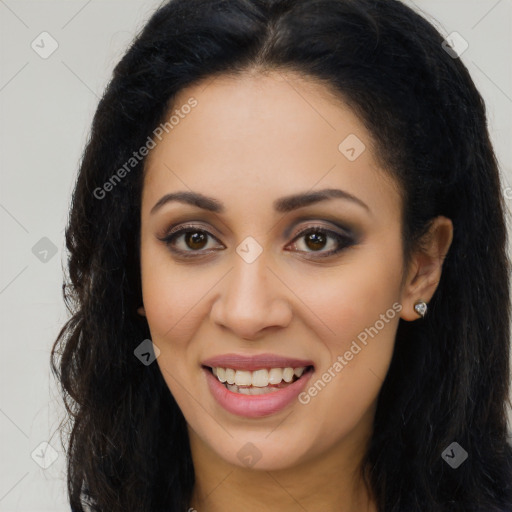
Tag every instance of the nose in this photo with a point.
(251, 300)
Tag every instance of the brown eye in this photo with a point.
(195, 239)
(316, 238)
(187, 240)
(191, 242)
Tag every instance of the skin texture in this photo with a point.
(250, 140)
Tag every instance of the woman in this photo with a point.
(287, 270)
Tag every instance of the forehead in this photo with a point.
(255, 137)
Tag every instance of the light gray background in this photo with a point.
(46, 107)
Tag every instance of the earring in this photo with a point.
(420, 307)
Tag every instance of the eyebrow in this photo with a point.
(283, 205)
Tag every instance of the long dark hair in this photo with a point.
(449, 377)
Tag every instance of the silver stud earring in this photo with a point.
(420, 307)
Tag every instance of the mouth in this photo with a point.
(258, 386)
(260, 381)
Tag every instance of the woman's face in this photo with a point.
(264, 280)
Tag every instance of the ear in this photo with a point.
(141, 311)
(426, 266)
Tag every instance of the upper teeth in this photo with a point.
(258, 378)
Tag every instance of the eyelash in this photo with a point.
(344, 241)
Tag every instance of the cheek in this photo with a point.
(360, 305)
(172, 294)
(353, 295)
(173, 306)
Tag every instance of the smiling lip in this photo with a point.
(255, 406)
(255, 362)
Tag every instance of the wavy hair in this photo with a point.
(449, 378)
